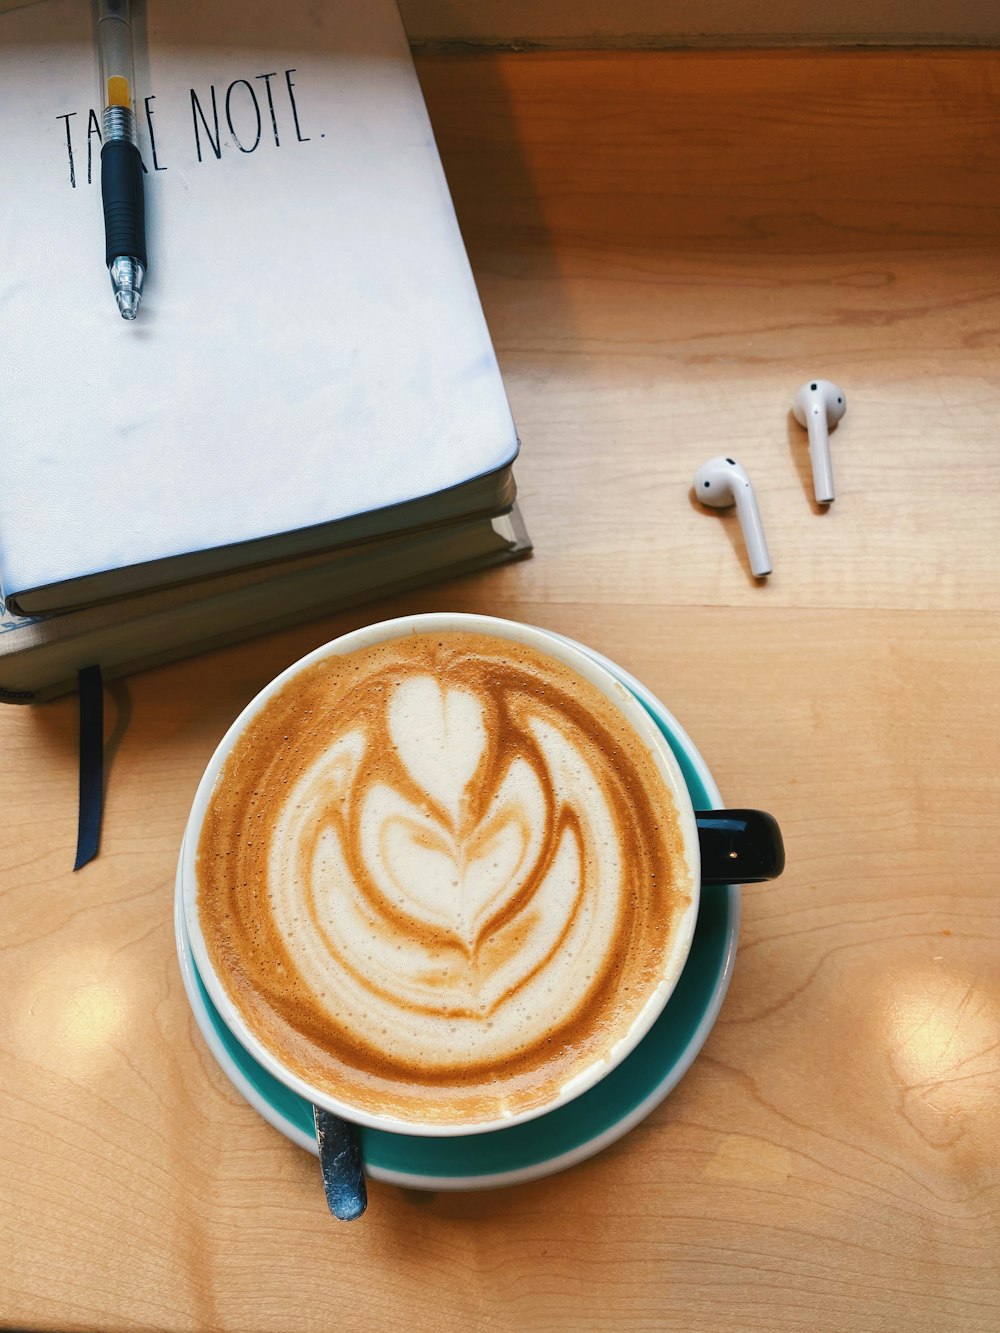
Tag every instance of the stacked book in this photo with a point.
(308, 411)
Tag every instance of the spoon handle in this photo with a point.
(340, 1161)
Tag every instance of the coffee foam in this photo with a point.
(439, 877)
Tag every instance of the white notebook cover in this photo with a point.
(310, 345)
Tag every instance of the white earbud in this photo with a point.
(722, 482)
(818, 406)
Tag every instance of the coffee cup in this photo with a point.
(442, 875)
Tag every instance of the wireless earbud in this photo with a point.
(722, 482)
(818, 406)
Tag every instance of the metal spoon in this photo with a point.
(341, 1164)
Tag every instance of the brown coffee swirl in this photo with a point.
(439, 877)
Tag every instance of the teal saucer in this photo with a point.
(572, 1132)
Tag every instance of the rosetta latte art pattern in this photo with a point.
(460, 872)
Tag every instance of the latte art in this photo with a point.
(439, 877)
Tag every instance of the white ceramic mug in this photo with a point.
(675, 790)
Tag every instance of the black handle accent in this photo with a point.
(739, 846)
(124, 204)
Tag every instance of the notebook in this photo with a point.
(310, 367)
(40, 657)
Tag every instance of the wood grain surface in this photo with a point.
(667, 245)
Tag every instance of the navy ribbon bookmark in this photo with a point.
(88, 833)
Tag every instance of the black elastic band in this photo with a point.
(88, 833)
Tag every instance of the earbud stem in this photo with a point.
(819, 456)
(753, 532)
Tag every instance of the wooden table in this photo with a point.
(667, 246)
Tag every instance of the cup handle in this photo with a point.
(739, 846)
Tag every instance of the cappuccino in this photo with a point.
(440, 877)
